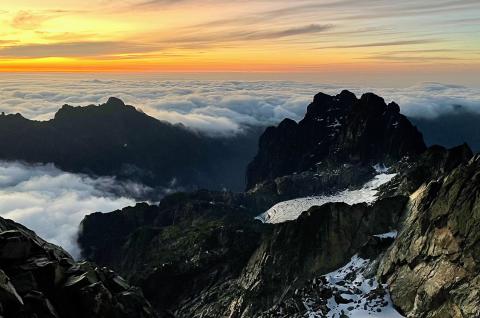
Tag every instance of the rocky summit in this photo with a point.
(333, 148)
(336, 131)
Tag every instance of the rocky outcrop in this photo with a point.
(336, 130)
(350, 291)
(177, 251)
(432, 269)
(322, 239)
(40, 280)
(103, 235)
(432, 164)
(215, 260)
(324, 181)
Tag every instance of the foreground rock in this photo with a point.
(40, 280)
(433, 267)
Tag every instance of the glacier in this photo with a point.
(291, 209)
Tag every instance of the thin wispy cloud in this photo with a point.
(380, 44)
(308, 29)
(221, 35)
(73, 49)
(156, 3)
(28, 20)
(32, 20)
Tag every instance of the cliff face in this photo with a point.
(213, 259)
(40, 280)
(432, 164)
(336, 130)
(432, 268)
(178, 250)
(321, 240)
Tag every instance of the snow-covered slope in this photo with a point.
(350, 292)
(291, 209)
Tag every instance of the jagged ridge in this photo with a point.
(336, 130)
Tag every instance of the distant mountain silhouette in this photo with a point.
(116, 139)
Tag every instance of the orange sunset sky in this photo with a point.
(249, 35)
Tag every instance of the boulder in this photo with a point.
(40, 280)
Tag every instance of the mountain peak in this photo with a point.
(115, 102)
(341, 129)
(323, 103)
(373, 103)
(346, 96)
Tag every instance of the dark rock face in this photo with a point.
(432, 164)
(324, 181)
(336, 130)
(215, 260)
(322, 239)
(103, 235)
(178, 250)
(116, 139)
(345, 286)
(40, 280)
(433, 267)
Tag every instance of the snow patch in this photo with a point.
(291, 209)
(380, 168)
(353, 294)
(392, 234)
(335, 124)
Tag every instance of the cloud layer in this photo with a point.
(214, 106)
(52, 202)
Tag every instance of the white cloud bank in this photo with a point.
(52, 202)
(213, 106)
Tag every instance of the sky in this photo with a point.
(429, 39)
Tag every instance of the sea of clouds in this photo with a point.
(53, 202)
(214, 106)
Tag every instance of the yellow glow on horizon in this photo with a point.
(213, 35)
